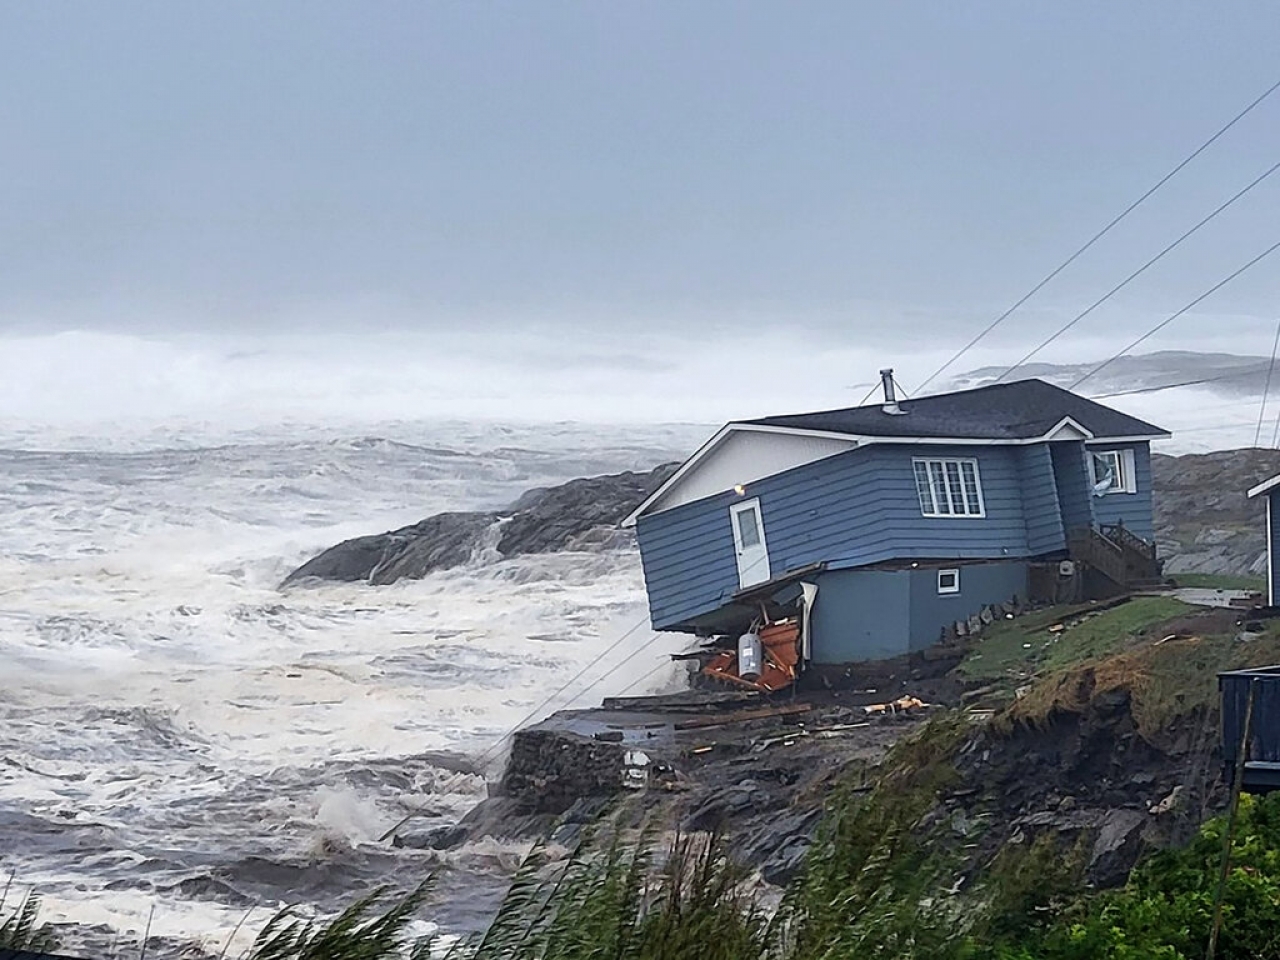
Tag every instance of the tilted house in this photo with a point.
(906, 516)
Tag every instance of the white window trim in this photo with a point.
(1127, 463)
(977, 478)
(955, 587)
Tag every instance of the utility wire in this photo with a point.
(1182, 383)
(1275, 434)
(497, 744)
(864, 400)
(1168, 320)
(1100, 234)
(1266, 390)
(1137, 273)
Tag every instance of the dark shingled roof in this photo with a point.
(1004, 411)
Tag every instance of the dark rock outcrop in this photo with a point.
(1204, 522)
(580, 514)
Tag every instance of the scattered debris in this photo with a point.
(739, 716)
(778, 644)
(900, 705)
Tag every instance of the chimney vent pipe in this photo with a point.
(890, 395)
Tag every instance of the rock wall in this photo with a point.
(550, 770)
(580, 514)
(1204, 522)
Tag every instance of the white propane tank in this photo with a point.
(750, 656)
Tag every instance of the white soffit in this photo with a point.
(1068, 429)
(742, 457)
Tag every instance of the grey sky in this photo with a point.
(849, 166)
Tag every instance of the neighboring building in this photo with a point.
(1271, 490)
(908, 517)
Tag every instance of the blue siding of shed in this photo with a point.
(1131, 509)
(981, 584)
(877, 614)
(1273, 546)
(852, 509)
(1045, 533)
(861, 615)
(1075, 492)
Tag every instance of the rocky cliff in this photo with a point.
(579, 514)
(1204, 522)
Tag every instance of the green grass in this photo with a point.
(1219, 581)
(1020, 648)
(20, 927)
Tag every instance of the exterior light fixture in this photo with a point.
(739, 489)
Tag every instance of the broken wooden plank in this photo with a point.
(740, 716)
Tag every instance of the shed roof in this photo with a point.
(1020, 410)
(1266, 486)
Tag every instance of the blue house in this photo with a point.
(1271, 490)
(907, 517)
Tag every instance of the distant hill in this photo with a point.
(1229, 374)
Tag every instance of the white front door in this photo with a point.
(748, 542)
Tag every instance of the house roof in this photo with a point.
(1023, 409)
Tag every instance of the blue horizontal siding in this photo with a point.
(1045, 533)
(858, 507)
(1131, 509)
(876, 614)
(1273, 545)
(1075, 494)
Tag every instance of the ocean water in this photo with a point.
(182, 743)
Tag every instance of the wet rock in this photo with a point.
(785, 862)
(1116, 847)
(204, 887)
(431, 838)
(580, 514)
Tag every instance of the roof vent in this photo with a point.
(890, 396)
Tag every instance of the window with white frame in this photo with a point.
(949, 487)
(1112, 471)
(948, 581)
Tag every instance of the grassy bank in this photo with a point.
(1045, 640)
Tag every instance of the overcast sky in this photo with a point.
(880, 173)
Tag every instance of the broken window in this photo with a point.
(1113, 472)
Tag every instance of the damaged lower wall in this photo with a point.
(879, 614)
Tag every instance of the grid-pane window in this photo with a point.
(949, 487)
(972, 499)
(923, 487)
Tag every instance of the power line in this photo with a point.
(1168, 320)
(1266, 390)
(484, 757)
(1137, 273)
(1100, 234)
(1182, 383)
(497, 744)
